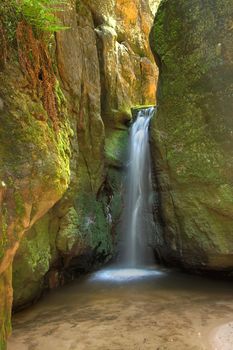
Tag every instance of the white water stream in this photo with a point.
(137, 217)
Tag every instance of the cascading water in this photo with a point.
(138, 217)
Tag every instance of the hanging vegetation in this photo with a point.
(42, 15)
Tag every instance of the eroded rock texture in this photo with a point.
(64, 106)
(127, 67)
(193, 132)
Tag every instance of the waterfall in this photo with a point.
(138, 216)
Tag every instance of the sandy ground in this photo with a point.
(168, 311)
(221, 338)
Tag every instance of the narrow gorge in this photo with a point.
(105, 199)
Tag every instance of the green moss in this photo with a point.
(192, 142)
(78, 5)
(32, 262)
(64, 152)
(60, 97)
(81, 8)
(4, 226)
(116, 143)
(69, 235)
(115, 178)
(20, 209)
(136, 109)
(32, 138)
(191, 148)
(3, 344)
(40, 14)
(93, 223)
(9, 18)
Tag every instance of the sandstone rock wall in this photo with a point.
(34, 163)
(192, 132)
(128, 71)
(78, 225)
(64, 106)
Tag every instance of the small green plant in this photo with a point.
(8, 18)
(41, 14)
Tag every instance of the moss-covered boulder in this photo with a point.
(31, 263)
(192, 134)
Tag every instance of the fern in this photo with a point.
(41, 14)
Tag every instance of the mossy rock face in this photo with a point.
(31, 263)
(192, 133)
(94, 223)
(116, 143)
(79, 227)
(34, 165)
(34, 158)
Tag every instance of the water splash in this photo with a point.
(126, 274)
(138, 218)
